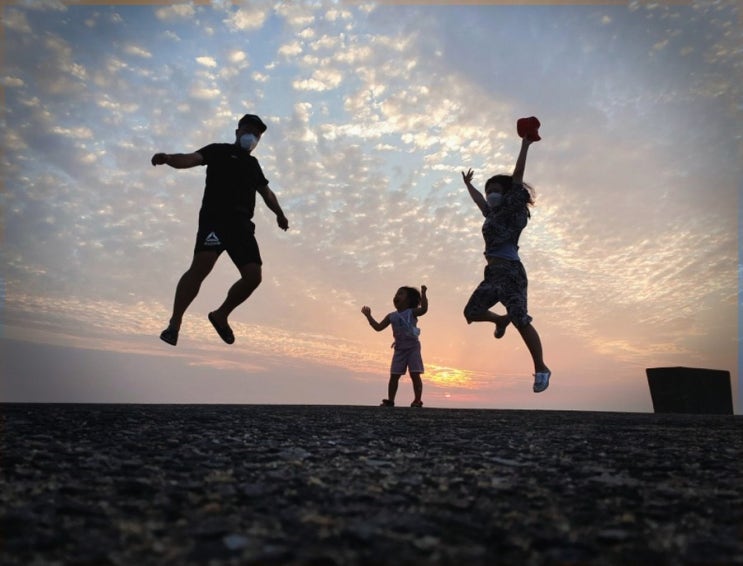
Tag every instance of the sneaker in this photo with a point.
(225, 332)
(169, 335)
(416, 404)
(541, 381)
(387, 403)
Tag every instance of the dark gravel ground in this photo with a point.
(325, 485)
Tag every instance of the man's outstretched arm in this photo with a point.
(178, 160)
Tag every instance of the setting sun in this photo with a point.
(449, 377)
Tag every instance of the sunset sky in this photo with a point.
(373, 111)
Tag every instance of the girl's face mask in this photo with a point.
(248, 141)
(494, 199)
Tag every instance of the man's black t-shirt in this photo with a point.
(232, 178)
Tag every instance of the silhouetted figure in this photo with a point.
(233, 177)
(505, 207)
(409, 304)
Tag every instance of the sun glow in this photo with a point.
(450, 377)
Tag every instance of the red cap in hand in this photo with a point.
(528, 128)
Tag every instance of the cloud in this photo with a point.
(296, 15)
(16, 20)
(239, 58)
(175, 12)
(291, 49)
(326, 42)
(75, 133)
(205, 93)
(321, 80)
(137, 51)
(247, 18)
(338, 14)
(11, 82)
(206, 61)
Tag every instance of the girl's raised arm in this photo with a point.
(423, 308)
(518, 170)
(474, 193)
(378, 326)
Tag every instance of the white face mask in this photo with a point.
(494, 199)
(248, 141)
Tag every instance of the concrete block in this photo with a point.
(690, 390)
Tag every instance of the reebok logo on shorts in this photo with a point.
(212, 240)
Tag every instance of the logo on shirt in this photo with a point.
(212, 240)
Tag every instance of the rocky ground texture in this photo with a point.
(330, 485)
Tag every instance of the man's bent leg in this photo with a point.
(190, 284)
(251, 275)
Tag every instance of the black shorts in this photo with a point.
(237, 239)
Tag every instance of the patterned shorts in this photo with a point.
(504, 282)
(407, 359)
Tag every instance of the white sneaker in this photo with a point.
(541, 381)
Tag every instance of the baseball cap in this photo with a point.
(253, 119)
(528, 128)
